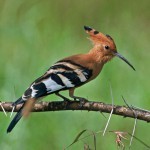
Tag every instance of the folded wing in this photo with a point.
(62, 75)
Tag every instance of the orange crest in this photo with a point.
(97, 37)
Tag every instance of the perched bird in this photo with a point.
(69, 73)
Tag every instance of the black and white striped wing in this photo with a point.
(61, 76)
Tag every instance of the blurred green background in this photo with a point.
(34, 34)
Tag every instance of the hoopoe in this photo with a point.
(69, 73)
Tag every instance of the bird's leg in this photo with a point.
(63, 97)
(81, 99)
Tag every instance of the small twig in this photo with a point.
(126, 103)
(133, 132)
(91, 134)
(3, 109)
(103, 114)
(139, 140)
(110, 112)
(12, 111)
(135, 107)
(107, 122)
(135, 122)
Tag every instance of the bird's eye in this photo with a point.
(106, 47)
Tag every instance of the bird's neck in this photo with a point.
(99, 57)
(94, 64)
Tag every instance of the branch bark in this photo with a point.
(87, 106)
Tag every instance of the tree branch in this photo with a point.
(89, 106)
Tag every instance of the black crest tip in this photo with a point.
(87, 28)
(109, 36)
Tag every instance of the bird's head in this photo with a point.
(104, 46)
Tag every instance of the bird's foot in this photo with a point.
(81, 100)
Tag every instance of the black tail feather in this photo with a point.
(18, 101)
(15, 120)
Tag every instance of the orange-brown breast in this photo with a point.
(89, 61)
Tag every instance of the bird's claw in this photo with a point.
(82, 101)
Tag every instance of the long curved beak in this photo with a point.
(124, 59)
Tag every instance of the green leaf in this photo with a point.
(76, 139)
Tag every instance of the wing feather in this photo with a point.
(61, 76)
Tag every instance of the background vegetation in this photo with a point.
(34, 34)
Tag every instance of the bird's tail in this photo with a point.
(23, 111)
(15, 119)
(18, 101)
